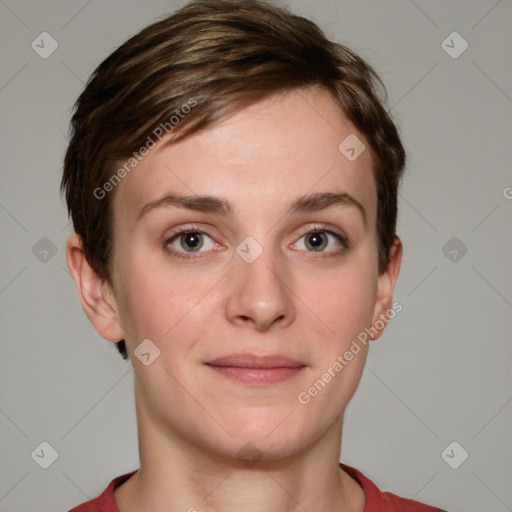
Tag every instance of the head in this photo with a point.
(245, 109)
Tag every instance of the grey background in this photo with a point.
(441, 372)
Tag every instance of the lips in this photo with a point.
(254, 361)
(256, 370)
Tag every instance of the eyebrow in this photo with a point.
(209, 204)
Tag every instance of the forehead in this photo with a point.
(264, 156)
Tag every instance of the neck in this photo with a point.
(176, 474)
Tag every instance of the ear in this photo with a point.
(96, 296)
(385, 288)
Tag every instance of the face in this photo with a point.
(269, 267)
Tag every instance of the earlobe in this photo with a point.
(385, 289)
(98, 301)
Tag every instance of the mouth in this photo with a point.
(256, 370)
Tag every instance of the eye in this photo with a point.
(321, 239)
(189, 240)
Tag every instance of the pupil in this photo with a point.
(193, 241)
(315, 240)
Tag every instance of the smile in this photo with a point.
(257, 370)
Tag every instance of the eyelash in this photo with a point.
(321, 228)
(191, 229)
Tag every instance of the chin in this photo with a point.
(268, 438)
(251, 451)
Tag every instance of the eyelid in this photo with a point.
(192, 228)
(340, 235)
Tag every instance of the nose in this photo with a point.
(259, 295)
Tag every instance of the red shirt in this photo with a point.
(376, 501)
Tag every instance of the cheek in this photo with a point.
(342, 300)
(161, 305)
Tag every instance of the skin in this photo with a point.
(305, 304)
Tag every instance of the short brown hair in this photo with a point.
(219, 56)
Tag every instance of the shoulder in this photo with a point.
(105, 502)
(378, 501)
